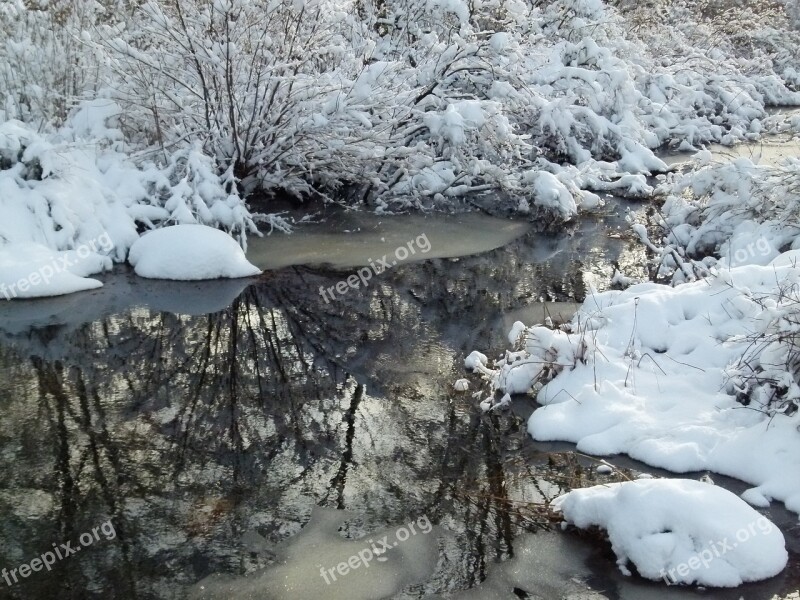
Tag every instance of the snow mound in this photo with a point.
(30, 270)
(680, 530)
(474, 359)
(189, 252)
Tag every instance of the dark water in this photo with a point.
(203, 422)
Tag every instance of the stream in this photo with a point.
(208, 422)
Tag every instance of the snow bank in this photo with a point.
(29, 270)
(189, 252)
(698, 377)
(680, 530)
(68, 189)
(474, 359)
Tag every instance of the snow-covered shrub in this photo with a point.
(737, 212)
(661, 373)
(540, 353)
(711, 67)
(269, 89)
(767, 376)
(315, 98)
(399, 103)
(62, 190)
(793, 12)
(44, 68)
(729, 215)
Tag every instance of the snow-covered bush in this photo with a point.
(767, 376)
(664, 374)
(398, 103)
(315, 98)
(256, 83)
(64, 190)
(540, 353)
(729, 38)
(44, 68)
(737, 212)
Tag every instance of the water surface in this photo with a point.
(207, 421)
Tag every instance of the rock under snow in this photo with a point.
(474, 359)
(680, 530)
(189, 252)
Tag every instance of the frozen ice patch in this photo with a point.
(319, 563)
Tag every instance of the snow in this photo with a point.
(550, 192)
(474, 359)
(30, 270)
(726, 214)
(680, 530)
(461, 385)
(435, 99)
(516, 330)
(62, 193)
(189, 252)
(754, 497)
(677, 378)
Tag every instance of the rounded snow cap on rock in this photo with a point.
(189, 253)
(680, 531)
(462, 385)
(474, 359)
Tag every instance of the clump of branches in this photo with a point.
(540, 353)
(44, 71)
(705, 211)
(767, 376)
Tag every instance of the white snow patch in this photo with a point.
(474, 359)
(655, 371)
(682, 530)
(30, 270)
(754, 497)
(516, 330)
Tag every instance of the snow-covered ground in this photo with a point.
(696, 372)
(77, 201)
(680, 531)
(725, 213)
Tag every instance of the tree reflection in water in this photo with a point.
(188, 432)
